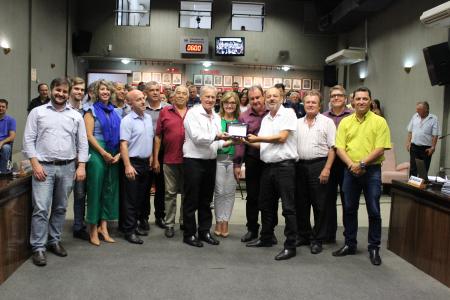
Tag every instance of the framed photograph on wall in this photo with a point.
(198, 79)
(238, 79)
(176, 78)
(156, 77)
(248, 82)
(227, 80)
(137, 77)
(287, 84)
(316, 84)
(207, 79)
(306, 84)
(267, 82)
(297, 84)
(146, 76)
(218, 80)
(277, 80)
(258, 81)
(167, 78)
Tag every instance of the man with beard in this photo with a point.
(54, 138)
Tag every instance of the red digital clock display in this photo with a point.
(195, 48)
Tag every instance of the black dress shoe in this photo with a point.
(302, 242)
(375, 258)
(207, 237)
(140, 231)
(161, 223)
(345, 250)
(57, 249)
(39, 258)
(134, 239)
(193, 241)
(259, 243)
(274, 240)
(81, 234)
(143, 224)
(286, 254)
(169, 232)
(249, 236)
(316, 248)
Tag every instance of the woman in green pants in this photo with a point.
(103, 131)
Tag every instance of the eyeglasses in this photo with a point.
(230, 104)
(337, 95)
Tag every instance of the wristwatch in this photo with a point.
(362, 164)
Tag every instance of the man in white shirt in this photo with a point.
(202, 140)
(315, 145)
(277, 140)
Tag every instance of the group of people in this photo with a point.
(115, 141)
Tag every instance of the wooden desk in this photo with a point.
(419, 229)
(15, 217)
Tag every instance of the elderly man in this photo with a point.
(277, 140)
(360, 141)
(315, 146)
(296, 104)
(54, 138)
(170, 132)
(193, 98)
(154, 107)
(7, 136)
(423, 132)
(202, 140)
(42, 99)
(136, 146)
(337, 112)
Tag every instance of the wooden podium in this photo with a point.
(419, 229)
(15, 218)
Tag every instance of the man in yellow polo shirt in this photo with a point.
(360, 141)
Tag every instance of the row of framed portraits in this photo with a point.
(164, 78)
(264, 82)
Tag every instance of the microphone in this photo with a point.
(444, 136)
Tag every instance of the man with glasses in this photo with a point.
(337, 112)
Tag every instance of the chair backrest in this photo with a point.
(389, 162)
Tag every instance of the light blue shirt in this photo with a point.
(423, 130)
(52, 135)
(138, 131)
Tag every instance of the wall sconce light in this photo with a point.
(407, 69)
(125, 61)
(207, 64)
(407, 66)
(362, 76)
(285, 68)
(6, 47)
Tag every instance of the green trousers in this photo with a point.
(102, 188)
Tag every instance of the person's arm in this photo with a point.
(9, 139)
(130, 172)
(89, 122)
(156, 148)
(325, 173)
(408, 141)
(431, 150)
(82, 151)
(279, 138)
(197, 133)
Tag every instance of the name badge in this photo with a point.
(417, 182)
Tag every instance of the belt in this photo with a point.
(280, 163)
(138, 159)
(311, 161)
(57, 162)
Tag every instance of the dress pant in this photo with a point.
(336, 179)
(418, 152)
(136, 192)
(370, 185)
(278, 181)
(158, 199)
(199, 180)
(253, 170)
(173, 176)
(310, 192)
(79, 205)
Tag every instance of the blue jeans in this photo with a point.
(79, 205)
(370, 184)
(5, 157)
(47, 195)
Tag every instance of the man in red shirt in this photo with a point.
(170, 132)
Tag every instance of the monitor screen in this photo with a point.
(228, 46)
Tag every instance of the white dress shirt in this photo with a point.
(285, 119)
(201, 130)
(315, 141)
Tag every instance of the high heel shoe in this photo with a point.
(105, 236)
(218, 229)
(93, 236)
(225, 232)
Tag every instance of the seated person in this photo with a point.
(7, 135)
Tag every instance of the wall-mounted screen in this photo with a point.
(230, 46)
